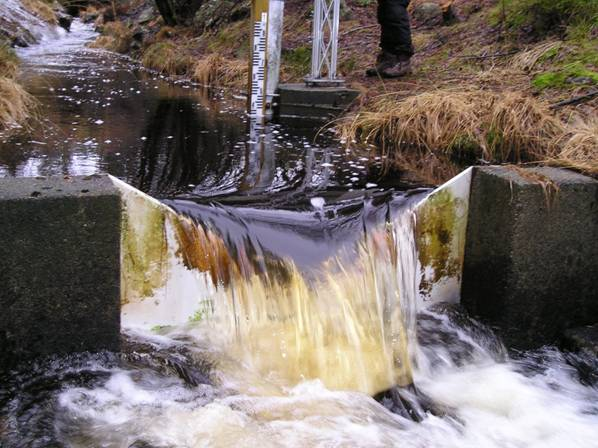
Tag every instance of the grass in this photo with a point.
(167, 58)
(471, 124)
(296, 63)
(217, 71)
(116, 36)
(8, 62)
(580, 148)
(436, 133)
(233, 38)
(41, 10)
(16, 105)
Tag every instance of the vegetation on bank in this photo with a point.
(489, 76)
(16, 105)
(535, 101)
(41, 9)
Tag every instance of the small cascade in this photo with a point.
(16, 20)
(348, 328)
(349, 323)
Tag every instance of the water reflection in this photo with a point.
(101, 113)
(183, 147)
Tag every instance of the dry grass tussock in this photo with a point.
(167, 58)
(464, 125)
(216, 71)
(116, 36)
(16, 104)
(580, 148)
(8, 62)
(41, 10)
(528, 59)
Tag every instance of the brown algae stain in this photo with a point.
(438, 235)
(202, 250)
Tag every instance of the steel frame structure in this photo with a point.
(325, 43)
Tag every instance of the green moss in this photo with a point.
(297, 62)
(347, 66)
(438, 220)
(465, 149)
(144, 250)
(564, 77)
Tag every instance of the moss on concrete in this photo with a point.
(144, 249)
(438, 220)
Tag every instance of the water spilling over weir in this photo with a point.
(274, 315)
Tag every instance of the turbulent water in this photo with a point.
(313, 308)
(22, 23)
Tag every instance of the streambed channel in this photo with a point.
(290, 203)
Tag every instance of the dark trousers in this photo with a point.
(396, 29)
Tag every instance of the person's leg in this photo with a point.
(395, 27)
(395, 39)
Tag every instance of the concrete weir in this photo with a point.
(59, 266)
(518, 248)
(531, 254)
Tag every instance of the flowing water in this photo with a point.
(309, 308)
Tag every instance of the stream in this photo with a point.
(293, 199)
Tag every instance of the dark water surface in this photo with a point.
(101, 113)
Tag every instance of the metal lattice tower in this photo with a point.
(325, 43)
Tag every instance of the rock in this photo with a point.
(581, 80)
(583, 339)
(23, 39)
(137, 34)
(428, 14)
(463, 9)
(146, 15)
(181, 12)
(89, 17)
(213, 13)
(64, 20)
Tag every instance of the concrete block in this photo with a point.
(531, 253)
(59, 266)
(319, 103)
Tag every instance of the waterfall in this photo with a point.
(17, 21)
(349, 323)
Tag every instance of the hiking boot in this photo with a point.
(384, 60)
(401, 68)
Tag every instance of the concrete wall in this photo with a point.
(519, 248)
(59, 266)
(531, 255)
